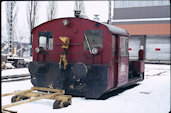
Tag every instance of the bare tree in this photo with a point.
(32, 13)
(79, 6)
(52, 10)
(11, 21)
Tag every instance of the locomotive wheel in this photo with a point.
(59, 104)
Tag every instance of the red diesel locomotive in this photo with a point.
(83, 57)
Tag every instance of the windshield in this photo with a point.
(92, 39)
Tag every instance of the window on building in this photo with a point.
(123, 46)
(46, 40)
(140, 3)
(92, 39)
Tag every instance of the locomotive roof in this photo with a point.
(116, 30)
(113, 29)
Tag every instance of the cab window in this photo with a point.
(92, 39)
(123, 46)
(46, 40)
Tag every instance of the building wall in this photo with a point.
(140, 3)
(148, 23)
(136, 43)
(147, 29)
(158, 47)
(142, 12)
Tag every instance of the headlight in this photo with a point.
(66, 22)
(37, 50)
(94, 51)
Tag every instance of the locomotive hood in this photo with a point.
(112, 29)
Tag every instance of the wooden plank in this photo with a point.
(33, 94)
(17, 92)
(8, 111)
(30, 100)
(57, 95)
(49, 89)
(60, 92)
(63, 97)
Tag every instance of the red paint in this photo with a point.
(139, 66)
(122, 65)
(130, 49)
(141, 55)
(118, 66)
(75, 31)
(157, 49)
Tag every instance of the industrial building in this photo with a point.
(148, 23)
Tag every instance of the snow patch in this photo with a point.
(15, 71)
(151, 96)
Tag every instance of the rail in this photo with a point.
(10, 78)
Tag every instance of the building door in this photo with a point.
(134, 47)
(158, 48)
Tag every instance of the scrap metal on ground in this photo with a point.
(37, 93)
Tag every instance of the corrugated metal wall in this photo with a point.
(134, 47)
(148, 23)
(158, 48)
(136, 42)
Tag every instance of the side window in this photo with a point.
(113, 45)
(92, 39)
(123, 46)
(46, 40)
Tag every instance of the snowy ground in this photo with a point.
(18, 71)
(150, 96)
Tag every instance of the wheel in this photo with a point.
(66, 104)
(24, 98)
(56, 105)
(60, 104)
(15, 98)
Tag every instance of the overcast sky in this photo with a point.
(64, 9)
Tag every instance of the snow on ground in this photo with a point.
(150, 96)
(18, 71)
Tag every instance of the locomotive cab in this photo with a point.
(83, 57)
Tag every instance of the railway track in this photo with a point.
(12, 78)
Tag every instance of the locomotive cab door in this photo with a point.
(45, 44)
(121, 60)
